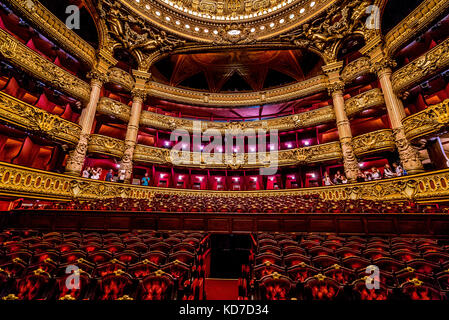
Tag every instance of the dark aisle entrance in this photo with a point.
(228, 253)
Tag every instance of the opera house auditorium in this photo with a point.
(224, 150)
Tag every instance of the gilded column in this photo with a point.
(139, 94)
(76, 158)
(409, 156)
(335, 88)
(98, 77)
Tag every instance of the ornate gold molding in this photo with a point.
(106, 145)
(313, 154)
(31, 183)
(307, 119)
(23, 115)
(415, 23)
(122, 78)
(55, 29)
(363, 101)
(30, 61)
(114, 108)
(226, 100)
(355, 69)
(429, 121)
(373, 142)
(421, 68)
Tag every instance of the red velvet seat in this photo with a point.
(275, 287)
(417, 290)
(114, 286)
(361, 291)
(157, 286)
(320, 287)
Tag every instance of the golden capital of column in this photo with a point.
(383, 66)
(97, 77)
(139, 94)
(335, 88)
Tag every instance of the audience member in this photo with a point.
(146, 180)
(86, 172)
(109, 175)
(338, 178)
(388, 172)
(327, 180)
(121, 176)
(375, 174)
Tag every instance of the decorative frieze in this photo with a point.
(421, 68)
(23, 115)
(381, 140)
(432, 120)
(32, 183)
(369, 99)
(33, 63)
(55, 29)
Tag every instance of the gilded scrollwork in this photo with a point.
(143, 43)
(114, 108)
(432, 120)
(21, 114)
(356, 69)
(27, 182)
(421, 68)
(121, 77)
(51, 26)
(363, 101)
(30, 61)
(106, 145)
(376, 141)
(325, 33)
(415, 23)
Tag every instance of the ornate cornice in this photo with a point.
(26, 182)
(363, 101)
(373, 142)
(121, 78)
(432, 120)
(415, 23)
(30, 61)
(55, 29)
(356, 69)
(421, 68)
(23, 115)
(106, 145)
(226, 100)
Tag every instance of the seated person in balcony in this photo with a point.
(368, 176)
(121, 176)
(344, 180)
(146, 180)
(87, 173)
(399, 170)
(327, 180)
(361, 177)
(109, 175)
(96, 173)
(375, 174)
(338, 179)
(388, 172)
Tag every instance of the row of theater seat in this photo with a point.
(271, 204)
(329, 267)
(138, 265)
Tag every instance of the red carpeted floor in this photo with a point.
(222, 289)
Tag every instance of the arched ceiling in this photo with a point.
(239, 70)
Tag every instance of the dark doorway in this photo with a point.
(228, 254)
